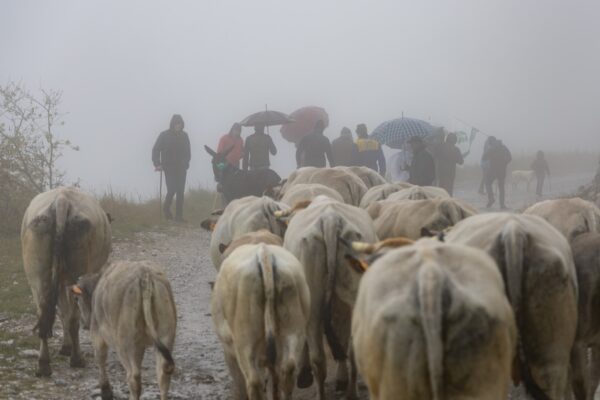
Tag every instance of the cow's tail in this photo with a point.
(148, 298)
(50, 298)
(513, 242)
(268, 272)
(431, 281)
(331, 229)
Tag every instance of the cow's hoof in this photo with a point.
(77, 362)
(43, 370)
(65, 350)
(106, 392)
(340, 386)
(305, 378)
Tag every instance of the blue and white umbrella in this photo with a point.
(397, 132)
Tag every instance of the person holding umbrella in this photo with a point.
(171, 154)
(258, 146)
(369, 152)
(313, 149)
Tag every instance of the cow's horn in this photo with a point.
(281, 213)
(362, 247)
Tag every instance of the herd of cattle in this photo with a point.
(410, 288)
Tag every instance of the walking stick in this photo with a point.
(160, 196)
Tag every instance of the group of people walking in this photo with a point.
(425, 164)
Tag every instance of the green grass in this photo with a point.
(15, 295)
(131, 216)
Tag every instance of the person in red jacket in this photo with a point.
(232, 139)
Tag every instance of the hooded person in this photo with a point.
(171, 154)
(313, 148)
(344, 150)
(448, 157)
(369, 152)
(257, 149)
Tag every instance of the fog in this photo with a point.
(525, 71)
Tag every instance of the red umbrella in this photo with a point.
(304, 123)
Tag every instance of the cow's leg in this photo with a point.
(164, 371)
(44, 360)
(351, 392)
(131, 355)
(247, 357)
(239, 382)
(63, 310)
(578, 370)
(594, 375)
(100, 353)
(70, 319)
(317, 354)
(305, 378)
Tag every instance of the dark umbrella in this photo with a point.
(266, 118)
(305, 120)
(396, 133)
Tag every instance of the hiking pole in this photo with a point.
(160, 196)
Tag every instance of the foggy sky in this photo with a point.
(525, 71)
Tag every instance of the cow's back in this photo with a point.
(407, 292)
(571, 217)
(382, 192)
(241, 216)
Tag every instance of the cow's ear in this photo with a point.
(75, 289)
(218, 212)
(208, 224)
(223, 247)
(210, 151)
(357, 264)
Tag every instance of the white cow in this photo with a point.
(431, 321)
(260, 307)
(65, 233)
(315, 236)
(307, 191)
(572, 217)
(130, 306)
(245, 215)
(536, 263)
(410, 218)
(382, 192)
(418, 193)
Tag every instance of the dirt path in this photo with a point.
(201, 371)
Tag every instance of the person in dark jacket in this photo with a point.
(485, 165)
(422, 168)
(313, 149)
(541, 169)
(171, 154)
(257, 149)
(448, 157)
(369, 152)
(498, 157)
(344, 150)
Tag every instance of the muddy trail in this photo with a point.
(201, 372)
